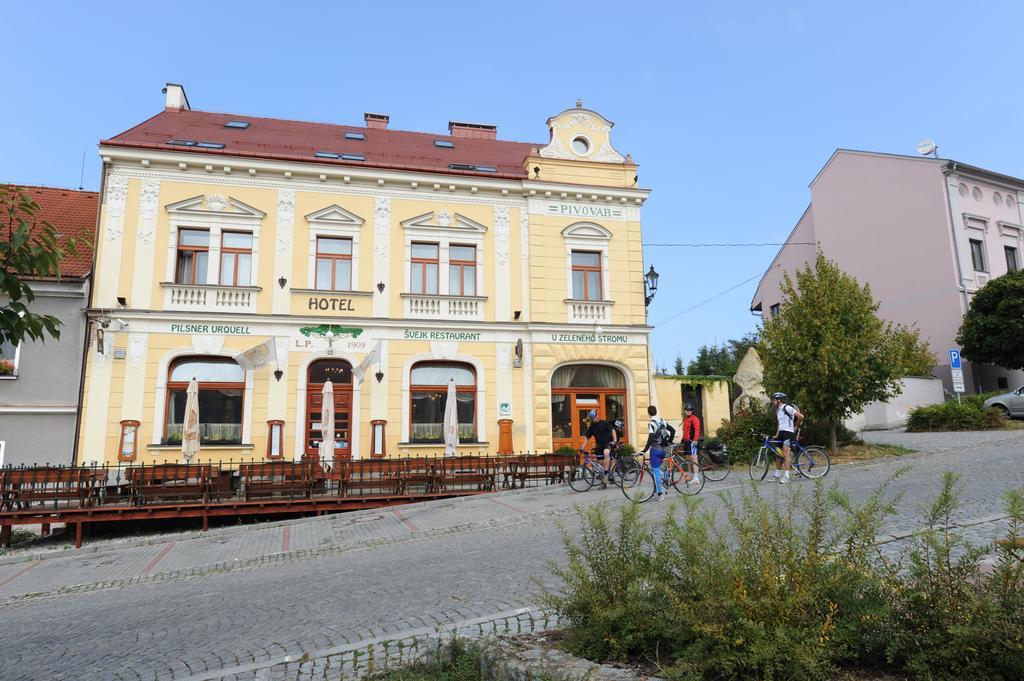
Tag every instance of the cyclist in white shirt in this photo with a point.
(789, 418)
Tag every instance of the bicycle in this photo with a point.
(713, 460)
(586, 474)
(810, 462)
(638, 484)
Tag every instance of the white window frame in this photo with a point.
(338, 223)
(3, 448)
(237, 217)
(592, 237)
(17, 364)
(460, 232)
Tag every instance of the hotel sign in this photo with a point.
(330, 304)
(572, 209)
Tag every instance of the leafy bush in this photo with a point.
(815, 432)
(769, 598)
(627, 450)
(566, 449)
(951, 415)
(735, 432)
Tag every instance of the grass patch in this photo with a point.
(1014, 425)
(868, 452)
(458, 662)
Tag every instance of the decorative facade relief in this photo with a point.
(501, 234)
(149, 199)
(137, 345)
(285, 218)
(444, 218)
(382, 225)
(524, 236)
(217, 202)
(117, 195)
(205, 344)
(607, 154)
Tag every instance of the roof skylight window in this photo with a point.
(444, 144)
(461, 166)
(486, 169)
(326, 154)
(353, 157)
(194, 143)
(241, 125)
(355, 136)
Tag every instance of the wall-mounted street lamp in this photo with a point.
(278, 374)
(282, 282)
(379, 375)
(650, 285)
(380, 286)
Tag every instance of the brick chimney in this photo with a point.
(176, 99)
(376, 121)
(477, 131)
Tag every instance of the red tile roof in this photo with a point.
(271, 138)
(73, 213)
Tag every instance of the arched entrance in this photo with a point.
(339, 372)
(578, 388)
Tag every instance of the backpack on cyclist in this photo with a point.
(665, 433)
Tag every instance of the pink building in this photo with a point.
(925, 233)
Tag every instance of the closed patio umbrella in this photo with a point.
(451, 422)
(327, 427)
(190, 424)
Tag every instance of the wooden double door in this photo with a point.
(339, 372)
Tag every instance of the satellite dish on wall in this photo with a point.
(927, 146)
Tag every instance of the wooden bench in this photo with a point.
(551, 468)
(22, 487)
(460, 471)
(279, 479)
(385, 476)
(179, 481)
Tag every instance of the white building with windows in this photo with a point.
(925, 233)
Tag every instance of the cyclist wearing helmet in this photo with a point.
(789, 418)
(691, 435)
(604, 436)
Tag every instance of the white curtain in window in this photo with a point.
(588, 376)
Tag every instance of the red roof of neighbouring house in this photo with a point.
(73, 213)
(271, 138)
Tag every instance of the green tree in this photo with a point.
(993, 328)
(828, 349)
(679, 366)
(29, 248)
(721, 360)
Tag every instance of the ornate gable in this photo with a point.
(215, 204)
(581, 135)
(444, 220)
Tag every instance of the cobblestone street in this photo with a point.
(233, 601)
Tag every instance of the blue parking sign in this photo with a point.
(954, 359)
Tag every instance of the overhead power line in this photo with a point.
(705, 302)
(736, 245)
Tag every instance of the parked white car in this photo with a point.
(1012, 403)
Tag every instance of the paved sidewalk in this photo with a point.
(244, 597)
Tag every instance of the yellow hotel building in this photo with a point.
(389, 262)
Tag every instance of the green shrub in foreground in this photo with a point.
(951, 415)
(789, 593)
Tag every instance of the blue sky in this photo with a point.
(729, 108)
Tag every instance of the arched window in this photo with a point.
(429, 396)
(339, 373)
(221, 386)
